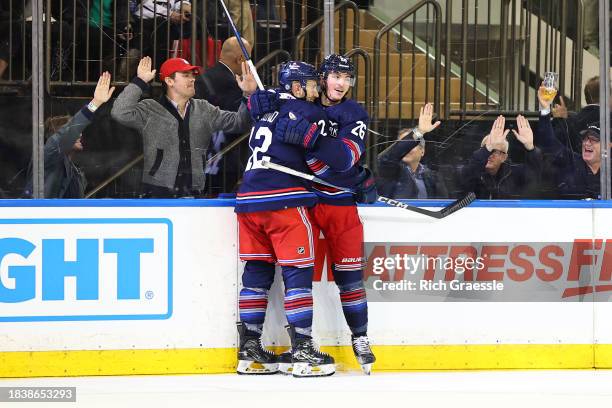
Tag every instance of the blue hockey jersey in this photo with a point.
(265, 189)
(338, 150)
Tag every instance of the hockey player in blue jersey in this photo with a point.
(275, 228)
(333, 156)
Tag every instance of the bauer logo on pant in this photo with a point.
(86, 269)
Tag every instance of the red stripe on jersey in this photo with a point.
(354, 149)
(316, 165)
(283, 190)
(321, 187)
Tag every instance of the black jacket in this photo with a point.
(512, 181)
(394, 180)
(219, 87)
(575, 180)
(568, 130)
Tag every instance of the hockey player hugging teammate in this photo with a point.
(332, 153)
(275, 227)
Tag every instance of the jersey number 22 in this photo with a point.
(257, 155)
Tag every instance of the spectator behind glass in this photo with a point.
(568, 125)
(577, 173)
(176, 128)
(97, 41)
(63, 179)
(400, 172)
(491, 175)
(163, 21)
(219, 87)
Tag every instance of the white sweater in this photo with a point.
(160, 7)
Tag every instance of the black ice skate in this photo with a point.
(363, 353)
(307, 360)
(253, 358)
(285, 363)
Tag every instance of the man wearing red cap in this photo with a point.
(176, 128)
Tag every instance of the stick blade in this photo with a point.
(457, 205)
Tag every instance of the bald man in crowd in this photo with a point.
(218, 86)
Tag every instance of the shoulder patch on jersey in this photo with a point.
(292, 116)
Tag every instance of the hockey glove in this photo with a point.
(262, 102)
(297, 130)
(366, 190)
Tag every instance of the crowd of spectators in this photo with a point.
(562, 152)
(217, 116)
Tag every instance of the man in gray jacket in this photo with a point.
(176, 128)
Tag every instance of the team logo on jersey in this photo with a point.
(333, 128)
(292, 116)
(301, 250)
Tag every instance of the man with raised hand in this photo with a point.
(577, 173)
(490, 175)
(176, 128)
(63, 179)
(400, 172)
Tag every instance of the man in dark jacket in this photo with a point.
(400, 172)
(491, 176)
(578, 173)
(568, 125)
(219, 87)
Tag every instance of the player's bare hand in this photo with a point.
(144, 71)
(524, 134)
(425, 118)
(246, 81)
(103, 90)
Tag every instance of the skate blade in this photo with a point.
(255, 368)
(285, 368)
(302, 370)
(366, 368)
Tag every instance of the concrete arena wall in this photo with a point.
(178, 315)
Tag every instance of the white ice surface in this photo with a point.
(516, 389)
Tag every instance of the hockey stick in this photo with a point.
(244, 50)
(444, 212)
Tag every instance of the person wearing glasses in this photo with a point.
(577, 174)
(491, 175)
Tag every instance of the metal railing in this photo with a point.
(367, 83)
(496, 54)
(395, 35)
(81, 42)
(341, 7)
